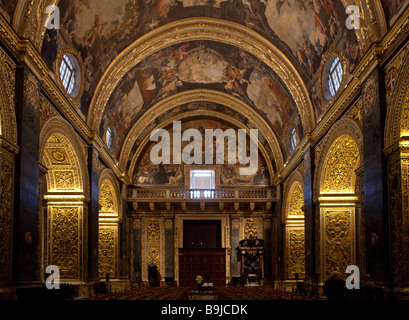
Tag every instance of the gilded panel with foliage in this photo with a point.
(338, 240)
(65, 241)
(339, 169)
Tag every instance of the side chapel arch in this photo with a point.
(64, 226)
(337, 201)
(294, 224)
(109, 218)
(397, 151)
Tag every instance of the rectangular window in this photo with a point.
(202, 180)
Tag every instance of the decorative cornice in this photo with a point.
(9, 146)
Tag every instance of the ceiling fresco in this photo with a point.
(305, 32)
(9, 6)
(393, 9)
(200, 64)
(100, 30)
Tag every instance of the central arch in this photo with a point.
(197, 96)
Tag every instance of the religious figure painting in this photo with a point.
(173, 174)
(204, 65)
(9, 6)
(393, 9)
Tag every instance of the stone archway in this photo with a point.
(294, 226)
(64, 216)
(109, 218)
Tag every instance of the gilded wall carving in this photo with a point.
(153, 242)
(296, 200)
(107, 251)
(397, 114)
(61, 160)
(65, 241)
(34, 20)
(64, 180)
(370, 95)
(355, 112)
(250, 227)
(392, 72)
(106, 198)
(337, 239)
(339, 171)
(137, 223)
(296, 252)
(342, 139)
(6, 213)
(295, 230)
(8, 128)
(32, 93)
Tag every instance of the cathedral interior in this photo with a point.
(319, 87)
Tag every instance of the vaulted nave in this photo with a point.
(253, 147)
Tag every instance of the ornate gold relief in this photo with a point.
(65, 241)
(64, 180)
(338, 174)
(6, 213)
(337, 237)
(296, 252)
(64, 173)
(392, 71)
(153, 242)
(168, 224)
(59, 156)
(251, 227)
(355, 112)
(32, 92)
(34, 21)
(137, 223)
(107, 251)
(8, 127)
(398, 110)
(106, 198)
(296, 201)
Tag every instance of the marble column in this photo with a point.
(375, 181)
(26, 266)
(93, 212)
(309, 215)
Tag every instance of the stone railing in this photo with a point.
(207, 195)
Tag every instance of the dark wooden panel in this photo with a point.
(209, 263)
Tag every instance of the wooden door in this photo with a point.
(209, 263)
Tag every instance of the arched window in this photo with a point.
(292, 139)
(110, 138)
(335, 75)
(67, 74)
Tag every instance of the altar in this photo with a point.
(251, 252)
